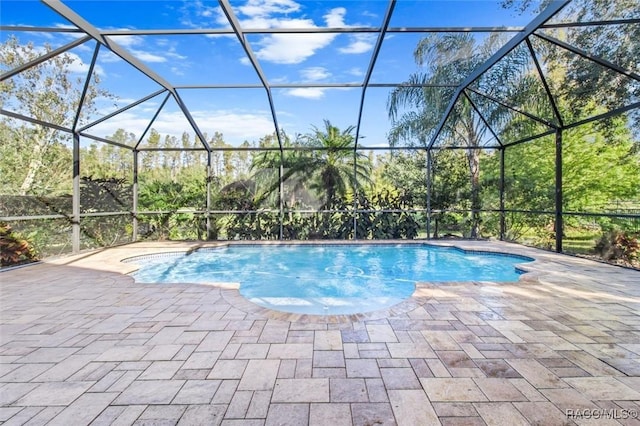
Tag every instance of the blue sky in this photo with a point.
(243, 114)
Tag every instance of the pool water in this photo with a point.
(328, 279)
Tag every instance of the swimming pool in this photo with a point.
(327, 279)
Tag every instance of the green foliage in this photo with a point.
(405, 171)
(599, 166)
(576, 82)
(35, 158)
(105, 195)
(324, 169)
(619, 245)
(415, 110)
(167, 198)
(401, 223)
(14, 249)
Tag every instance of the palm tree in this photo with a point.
(326, 164)
(266, 170)
(335, 166)
(416, 111)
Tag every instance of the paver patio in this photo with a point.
(81, 343)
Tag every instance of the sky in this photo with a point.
(244, 114)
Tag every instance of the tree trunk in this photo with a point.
(474, 173)
(35, 163)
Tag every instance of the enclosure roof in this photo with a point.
(253, 67)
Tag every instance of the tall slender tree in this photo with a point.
(416, 110)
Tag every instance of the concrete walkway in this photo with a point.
(81, 343)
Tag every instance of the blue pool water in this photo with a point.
(327, 279)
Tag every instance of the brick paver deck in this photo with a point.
(81, 343)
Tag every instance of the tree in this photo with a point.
(600, 167)
(416, 111)
(49, 92)
(171, 157)
(151, 159)
(324, 165)
(335, 168)
(266, 170)
(585, 79)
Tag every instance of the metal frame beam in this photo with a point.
(530, 138)
(486, 123)
(75, 198)
(559, 226)
(34, 121)
(123, 109)
(316, 30)
(153, 119)
(92, 31)
(23, 28)
(592, 23)
(134, 207)
(554, 7)
(66, 12)
(308, 86)
(503, 226)
(372, 64)
(545, 84)
(594, 58)
(365, 85)
(45, 57)
(237, 29)
(429, 187)
(104, 140)
(239, 32)
(87, 81)
(514, 109)
(605, 115)
(190, 119)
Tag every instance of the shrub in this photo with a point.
(619, 245)
(13, 248)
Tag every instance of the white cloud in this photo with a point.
(236, 126)
(126, 40)
(287, 48)
(291, 49)
(195, 14)
(173, 53)
(280, 48)
(296, 48)
(108, 56)
(315, 73)
(177, 71)
(306, 92)
(355, 71)
(78, 66)
(147, 56)
(369, 14)
(131, 43)
(335, 17)
(360, 43)
(268, 7)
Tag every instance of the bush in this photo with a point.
(619, 245)
(14, 249)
